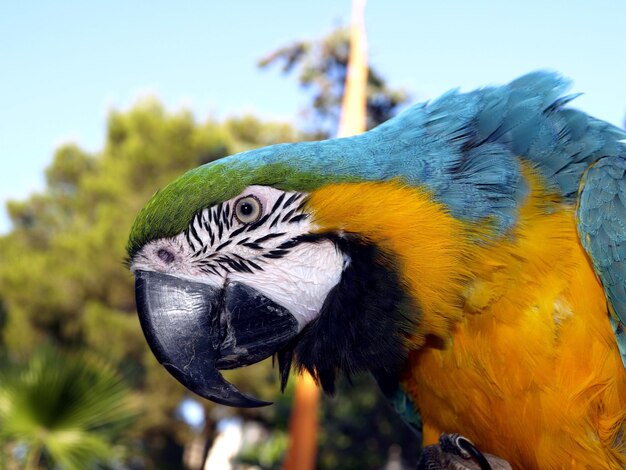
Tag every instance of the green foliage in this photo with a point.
(62, 276)
(357, 430)
(360, 428)
(323, 66)
(267, 454)
(63, 410)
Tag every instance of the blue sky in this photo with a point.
(64, 64)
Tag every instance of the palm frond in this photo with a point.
(68, 408)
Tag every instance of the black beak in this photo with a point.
(194, 329)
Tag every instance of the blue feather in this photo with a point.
(602, 228)
(464, 147)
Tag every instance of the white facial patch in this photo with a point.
(301, 280)
(270, 254)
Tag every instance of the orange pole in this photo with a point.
(303, 424)
(353, 106)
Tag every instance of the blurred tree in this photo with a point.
(63, 278)
(358, 431)
(3, 317)
(323, 65)
(62, 411)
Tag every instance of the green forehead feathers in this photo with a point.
(172, 208)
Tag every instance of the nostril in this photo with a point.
(166, 256)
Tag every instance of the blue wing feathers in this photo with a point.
(602, 229)
(464, 147)
(479, 134)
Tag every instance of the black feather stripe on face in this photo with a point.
(212, 232)
(364, 322)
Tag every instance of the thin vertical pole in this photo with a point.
(353, 107)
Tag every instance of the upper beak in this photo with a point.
(194, 329)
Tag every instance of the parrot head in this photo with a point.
(270, 252)
(339, 256)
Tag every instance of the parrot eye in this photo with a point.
(248, 209)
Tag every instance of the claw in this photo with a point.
(456, 452)
(463, 447)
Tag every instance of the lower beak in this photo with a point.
(194, 329)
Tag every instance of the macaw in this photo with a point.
(469, 253)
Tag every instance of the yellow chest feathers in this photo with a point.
(515, 350)
(532, 372)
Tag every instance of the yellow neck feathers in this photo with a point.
(428, 244)
(528, 367)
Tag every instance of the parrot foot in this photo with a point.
(455, 452)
